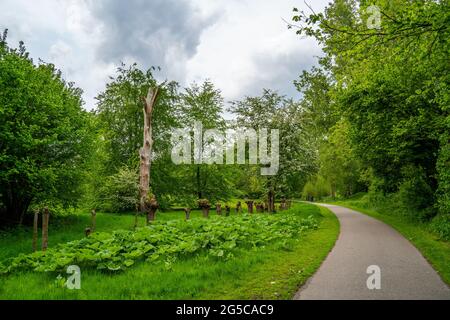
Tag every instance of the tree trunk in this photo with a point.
(35, 230)
(93, 220)
(205, 212)
(219, 209)
(146, 151)
(250, 206)
(187, 212)
(45, 219)
(199, 184)
(239, 207)
(228, 210)
(271, 201)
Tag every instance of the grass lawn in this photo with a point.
(270, 272)
(436, 251)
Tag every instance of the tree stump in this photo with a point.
(187, 212)
(219, 209)
(239, 207)
(205, 206)
(250, 206)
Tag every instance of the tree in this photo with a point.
(389, 83)
(204, 104)
(296, 149)
(146, 150)
(121, 118)
(44, 135)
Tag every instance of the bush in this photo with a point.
(415, 195)
(120, 193)
(441, 226)
(317, 188)
(443, 170)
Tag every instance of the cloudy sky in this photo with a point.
(242, 46)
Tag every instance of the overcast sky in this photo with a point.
(241, 46)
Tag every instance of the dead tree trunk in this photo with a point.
(35, 230)
(146, 151)
(152, 206)
(45, 219)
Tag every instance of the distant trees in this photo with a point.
(44, 135)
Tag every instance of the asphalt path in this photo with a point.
(371, 260)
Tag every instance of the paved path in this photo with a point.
(364, 242)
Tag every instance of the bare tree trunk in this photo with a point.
(45, 219)
(93, 220)
(199, 184)
(271, 201)
(136, 217)
(146, 151)
(35, 230)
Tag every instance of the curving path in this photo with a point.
(363, 242)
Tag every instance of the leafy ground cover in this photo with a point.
(247, 257)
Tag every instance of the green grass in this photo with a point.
(265, 273)
(435, 250)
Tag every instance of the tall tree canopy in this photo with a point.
(390, 82)
(44, 135)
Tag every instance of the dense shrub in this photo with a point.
(415, 195)
(318, 188)
(120, 192)
(441, 226)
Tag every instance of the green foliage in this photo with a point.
(415, 194)
(166, 241)
(390, 84)
(120, 192)
(45, 135)
(441, 226)
(296, 146)
(338, 162)
(316, 188)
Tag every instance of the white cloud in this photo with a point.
(242, 46)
